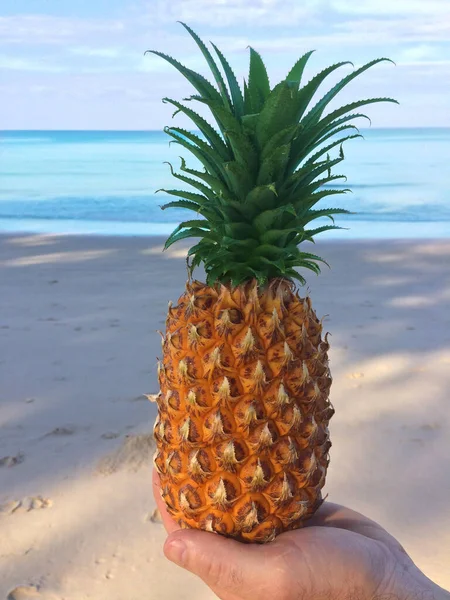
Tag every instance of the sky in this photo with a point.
(81, 65)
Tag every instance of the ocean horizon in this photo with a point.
(105, 182)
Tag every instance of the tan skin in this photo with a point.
(339, 555)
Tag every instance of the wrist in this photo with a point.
(410, 583)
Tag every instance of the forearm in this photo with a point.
(429, 591)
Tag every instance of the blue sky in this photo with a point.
(81, 64)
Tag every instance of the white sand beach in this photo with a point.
(78, 348)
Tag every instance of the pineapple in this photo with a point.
(242, 427)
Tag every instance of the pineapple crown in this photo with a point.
(264, 169)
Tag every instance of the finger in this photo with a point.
(229, 567)
(167, 519)
(335, 515)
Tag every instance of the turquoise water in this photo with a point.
(105, 182)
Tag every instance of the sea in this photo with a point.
(106, 182)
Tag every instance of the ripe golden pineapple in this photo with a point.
(242, 428)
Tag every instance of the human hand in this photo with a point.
(339, 554)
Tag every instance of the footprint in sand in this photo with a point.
(36, 503)
(110, 435)
(417, 441)
(135, 452)
(29, 592)
(12, 461)
(430, 426)
(7, 508)
(61, 431)
(154, 517)
(25, 505)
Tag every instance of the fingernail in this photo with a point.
(175, 550)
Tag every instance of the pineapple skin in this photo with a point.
(242, 428)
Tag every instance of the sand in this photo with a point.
(78, 347)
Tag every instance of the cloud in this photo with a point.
(52, 60)
(97, 52)
(116, 92)
(43, 29)
(430, 28)
(430, 67)
(223, 13)
(392, 7)
(42, 89)
(420, 54)
(290, 13)
(12, 63)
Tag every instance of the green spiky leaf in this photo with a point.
(274, 166)
(192, 196)
(216, 184)
(266, 168)
(201, 223)
(239, 178)
(280, 138)
(268, 219)
(258, 82)
(204, 189)
(235, 90)
(194, 232)
(202, 85)
(214, 139)
(310, 234)
(306, 94)
(296, 73)
(316, 112)
(278, 112)
(212, 65)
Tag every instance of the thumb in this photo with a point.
(224, 564)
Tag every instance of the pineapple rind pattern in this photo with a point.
(242, 428)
